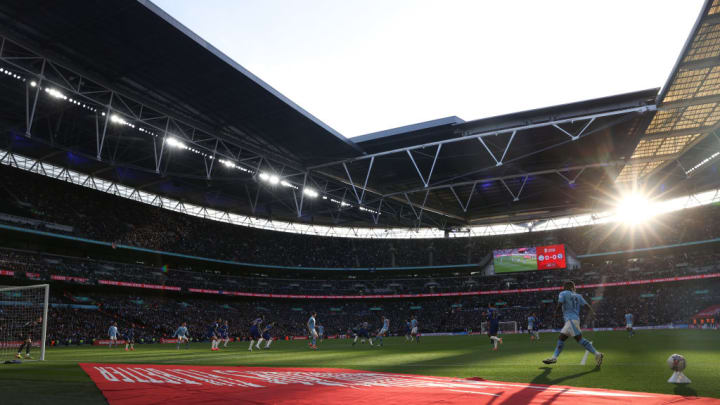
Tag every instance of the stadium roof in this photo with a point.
(124, 92)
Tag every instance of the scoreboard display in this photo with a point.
(529, 259)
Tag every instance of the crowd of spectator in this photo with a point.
(83, 212)
(38, 266)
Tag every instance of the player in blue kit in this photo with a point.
(533, 327)
(224, 333)
(112, 334)
(182, 336)
(311, 330)
(321, 332)
(266, 336)
(407, 331)
(383, 330)
(213, 334)
(493, 319)
(629, 324)
(570, 303)
(255, 332)
(130, 338)
(362, 333)
(414, 329)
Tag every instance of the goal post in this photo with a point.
(23, 317)
(505, 327)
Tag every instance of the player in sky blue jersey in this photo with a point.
(255, 332)
(629, 318)
(533, 327)
(311, 330)
(570, 303)
(213, 334)
(321, 332)
(414, 329)
(493, 320)
(112, 333)
(182, 335)
(383, 330)
(130, 338)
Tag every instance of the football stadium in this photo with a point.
(173, 229)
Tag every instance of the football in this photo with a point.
(676, 362)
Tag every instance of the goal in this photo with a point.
(505, 327)
(23, 315)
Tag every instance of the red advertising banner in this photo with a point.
(33, 276)
(138, 384)
(7, 273)
(68, 278)
(551, 257)
(139, 285)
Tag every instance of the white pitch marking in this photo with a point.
(475, 392)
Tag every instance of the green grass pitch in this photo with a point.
(506, 265)
(636, 364)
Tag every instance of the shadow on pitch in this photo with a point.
(527, 394)
(684, 390)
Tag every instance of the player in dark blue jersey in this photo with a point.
(266, 336)
(493, 320)
(214, 335)
(255, 332)
(361, 331)
(224, 331)
(408, 328)
(130, 338)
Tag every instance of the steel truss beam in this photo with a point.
(115, 103)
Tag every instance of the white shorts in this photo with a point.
(113, 337)
(571, 328)
(629, 325)
(382, 331)
(313, 333)
(413, 331)
(182, 337)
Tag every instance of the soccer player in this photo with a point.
(533, 328)
(570, 303)
(255, 332)
(407, 331)
(27, 333)
(266, 335)
(493, 319)
(311, 329)
(321, 332)
(383, 330)
(629, 324)
(414, 329)
(182, 335)
(224, 336)
(112, 333)
(130, 338)
(213, 335)
(361, 332)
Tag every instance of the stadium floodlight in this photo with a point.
(273, 179)
(33, 83)
(175, 143)
(310, 192)
(55, 93)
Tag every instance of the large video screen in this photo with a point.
(529, 259)
(513, 260)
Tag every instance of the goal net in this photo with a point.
(23, 320)
(505, 327)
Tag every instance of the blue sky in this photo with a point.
(371, 65)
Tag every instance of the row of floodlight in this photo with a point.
(176, 143)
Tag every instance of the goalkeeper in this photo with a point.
(26, 335)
